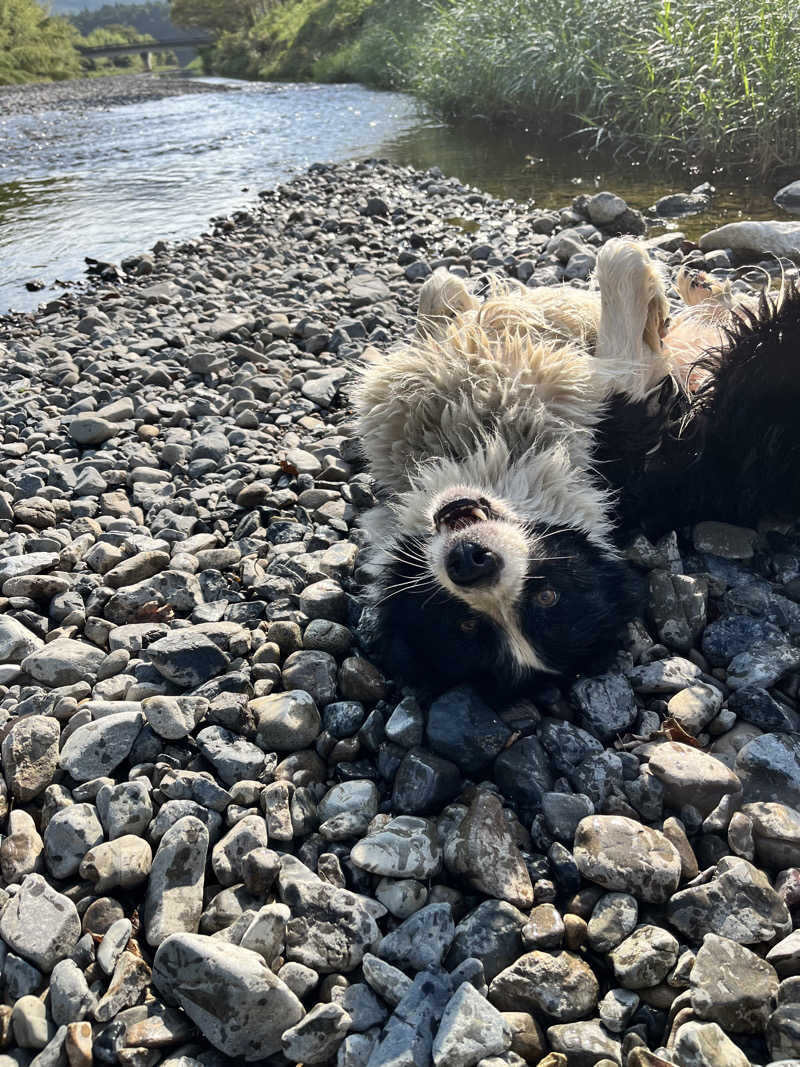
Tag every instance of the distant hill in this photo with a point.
(151, 17)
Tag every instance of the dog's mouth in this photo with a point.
(464, 512)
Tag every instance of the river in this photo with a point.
(109, 181)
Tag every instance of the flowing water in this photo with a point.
(107, 182)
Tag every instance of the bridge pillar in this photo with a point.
(147, 59)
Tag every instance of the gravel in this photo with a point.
(226, 836)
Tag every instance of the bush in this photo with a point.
(34, 46)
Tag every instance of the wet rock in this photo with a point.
(606, 705)
(187, 658)
(463, 728)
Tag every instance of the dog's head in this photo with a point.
(477, 592)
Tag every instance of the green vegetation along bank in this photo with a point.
(711, 81)
(38, 46)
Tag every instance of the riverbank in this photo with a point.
(194, 741)
(699, 83)
(112, 90)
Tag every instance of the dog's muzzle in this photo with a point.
(469, 563)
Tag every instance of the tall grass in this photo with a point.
(711, 80)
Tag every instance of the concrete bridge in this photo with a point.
(145, 50)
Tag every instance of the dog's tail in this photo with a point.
(732, 451)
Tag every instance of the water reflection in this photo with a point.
(109, 182)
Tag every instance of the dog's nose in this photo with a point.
(469, 562)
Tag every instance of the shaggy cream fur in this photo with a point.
(500, 401)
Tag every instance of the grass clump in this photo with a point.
(717, 81)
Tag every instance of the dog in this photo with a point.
(516, 441)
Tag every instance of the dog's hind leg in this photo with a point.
(633, 319)
(443, 297)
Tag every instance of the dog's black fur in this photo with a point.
(731, 452)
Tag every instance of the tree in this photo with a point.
(220, 16)
(35, 46)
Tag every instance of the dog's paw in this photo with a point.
(443, 297)
(697, 287)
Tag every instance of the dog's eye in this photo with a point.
(469, 626)
(546, 598)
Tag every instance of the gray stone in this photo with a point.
(122, 863)
(187, 658)
(492, 933)
(470, 1029)
(40, 924)
(64, 662)
(421, 942)
(405, 847)
(769, 768)
(286, 721)
(738, 903)
(229, 992)
(30, 756)
(317, 909)
(317, 1036)
(558, 984)
(17, 642)
(482, 850)
(174, 897)
(706, 1045)
(614, 917)
(732, 986)
(96, 749)
(584, 1044)
(690, 776)
(70, 997)
(645, 958)
(70, 834)
(606, 705)
(626, 856)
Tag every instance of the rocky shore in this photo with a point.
(81, 94)
(226, 837)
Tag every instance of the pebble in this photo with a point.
(183, 671)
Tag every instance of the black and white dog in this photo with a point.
(515, 441)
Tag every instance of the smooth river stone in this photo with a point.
(64, 662)
(174, 898)
(776, 833)
(406, 847)
(40, 924)
(97, 748)
(482, 849)
(732, 986)
(690, 776)
(229, 992)
(559, 985)
(623, 855)
(769, 768)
